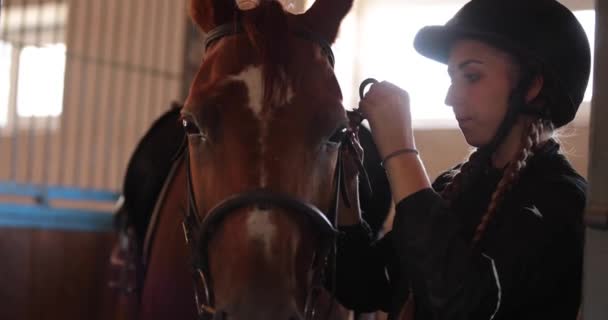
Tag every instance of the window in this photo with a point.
(32, 62)
(376, 40)
(41, 71)
(388, 33)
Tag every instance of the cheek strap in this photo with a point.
(516, 105)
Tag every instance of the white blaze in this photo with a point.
(289, 96)
(247, 4)
(252, 4)
(259, 227)
(252, 78)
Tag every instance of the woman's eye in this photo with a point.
(471, 77)
(338, 136)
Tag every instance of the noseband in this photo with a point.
(203, 230)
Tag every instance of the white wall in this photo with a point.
(124, 67)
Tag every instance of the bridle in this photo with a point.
(199, 232)
(231, 29)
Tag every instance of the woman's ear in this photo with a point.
(535, 87)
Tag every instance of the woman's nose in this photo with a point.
(449, 96)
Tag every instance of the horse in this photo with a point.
(244, 223)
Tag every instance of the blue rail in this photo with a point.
(56, 192)
(44, 216)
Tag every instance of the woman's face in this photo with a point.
(482, 79)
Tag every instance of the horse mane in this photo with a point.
(267, 28)
(148, 168)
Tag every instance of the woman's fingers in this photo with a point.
(384, 97)
(387, 108)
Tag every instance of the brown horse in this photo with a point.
(269, 167)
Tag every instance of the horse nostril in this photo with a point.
(263, 206)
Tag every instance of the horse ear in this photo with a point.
(208, 14)
(325, 16)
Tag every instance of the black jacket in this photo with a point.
(527, 266)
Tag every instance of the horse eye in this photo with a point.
(338, 136)
(190, 127)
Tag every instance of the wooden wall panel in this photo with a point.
(15, 255)
(49, 274)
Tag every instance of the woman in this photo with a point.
(499, 236)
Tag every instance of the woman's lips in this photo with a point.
(465, 121)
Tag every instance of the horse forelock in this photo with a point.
(268, 30)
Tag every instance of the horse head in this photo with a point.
(266, 128)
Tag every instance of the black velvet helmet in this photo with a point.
(543, 30)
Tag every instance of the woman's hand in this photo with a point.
(387, 108)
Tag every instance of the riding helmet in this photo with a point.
(543, 30)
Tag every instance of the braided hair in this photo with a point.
(463, 176)
(479, 160)
(531, 140)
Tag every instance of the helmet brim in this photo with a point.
(435, 42)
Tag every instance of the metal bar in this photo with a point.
(121, 120)
(193, 43)
(66, 117)
(29, 164)
(129, 85)
(125, 66)
(15, 103)
(104, 16)
(162, 58)
(83, 89)
(48, 155)
(115, 30)
(29, 29)
(3, 51)
(595, 274)
(596, 218)
(598, 147)
(146, 85)
(157, 72)
(36, 217)
(595, 289)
